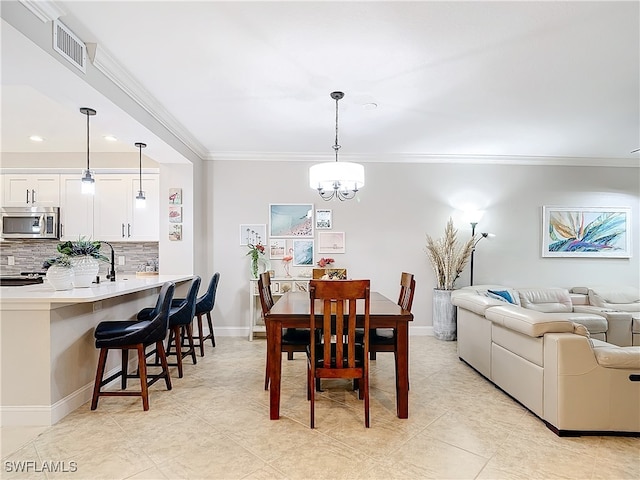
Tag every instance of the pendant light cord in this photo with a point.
(140, 146)
(336, 147)
(87, 141)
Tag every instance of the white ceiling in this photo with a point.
(514, 79)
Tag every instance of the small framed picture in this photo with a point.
(277, 247)
(253, 234)
(175, 214)
(331, 242)
(175, 196)
(175, 232)
(302, 253)
(323, 219)
(275, 287)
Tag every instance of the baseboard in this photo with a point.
(45, 415)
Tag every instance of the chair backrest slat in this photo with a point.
(339, 300)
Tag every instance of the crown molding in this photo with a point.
(426, 158)
(103, 61)
(45, 10)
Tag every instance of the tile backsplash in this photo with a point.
(28, 255)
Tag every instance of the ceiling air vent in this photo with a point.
(67, 44)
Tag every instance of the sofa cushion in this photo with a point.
(547, 300)
(612, 356)
(594, 323)
(635, 323)
(622, 298)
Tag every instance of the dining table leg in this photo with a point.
(402, 370)
(274, 346)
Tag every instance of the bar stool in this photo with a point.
(134, 335)
(204, 305)
(180, 326)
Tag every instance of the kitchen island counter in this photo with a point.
(47, 350)
(43, 293)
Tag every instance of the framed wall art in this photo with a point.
(302, 253)
(277, 247)
(291, 220)
(175, 196)
(597, 232)
(253, 234)
(324, 219)
(175, 214)
(331, 242)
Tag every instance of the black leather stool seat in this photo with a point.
(110, 330)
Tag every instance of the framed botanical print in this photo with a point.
(597, 232)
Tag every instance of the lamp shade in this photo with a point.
(347, 175)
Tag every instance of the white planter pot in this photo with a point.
(85, 270)
(444, 315)
(60, 278)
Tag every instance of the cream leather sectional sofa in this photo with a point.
(619, 305)
(538, 349)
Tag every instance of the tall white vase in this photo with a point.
(85, 270)
(444, 315)
(60, 278)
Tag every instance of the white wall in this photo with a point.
(401, 203)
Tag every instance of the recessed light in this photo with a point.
(36, 138)
(110, 138)
(370, 106)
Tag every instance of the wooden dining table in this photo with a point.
(292, 311)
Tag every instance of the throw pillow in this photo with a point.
(503, 295)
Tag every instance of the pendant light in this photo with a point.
(140, 198)
(88, 183)
(340, 180)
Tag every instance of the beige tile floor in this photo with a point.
(215, 424)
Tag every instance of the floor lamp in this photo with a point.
(473, 250)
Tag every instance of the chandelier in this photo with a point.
(340, 180)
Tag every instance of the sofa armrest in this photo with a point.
(528, 322)
(619, 323)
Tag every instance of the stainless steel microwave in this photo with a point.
(30, 222)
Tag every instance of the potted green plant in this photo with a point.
(84, 256)
(448, 257)
(59, 272)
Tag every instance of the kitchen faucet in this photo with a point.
(112, 273)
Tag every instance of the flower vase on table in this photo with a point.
(259, 263)
(85, 260)
(59, 273)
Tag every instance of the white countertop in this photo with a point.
(44, 293)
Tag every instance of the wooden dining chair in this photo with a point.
(384, 339)
(293, 339)
(339, 355)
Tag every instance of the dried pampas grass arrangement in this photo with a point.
(448, 257)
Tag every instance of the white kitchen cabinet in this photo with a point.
(76, 209)
(116, 217)
(31, 190)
